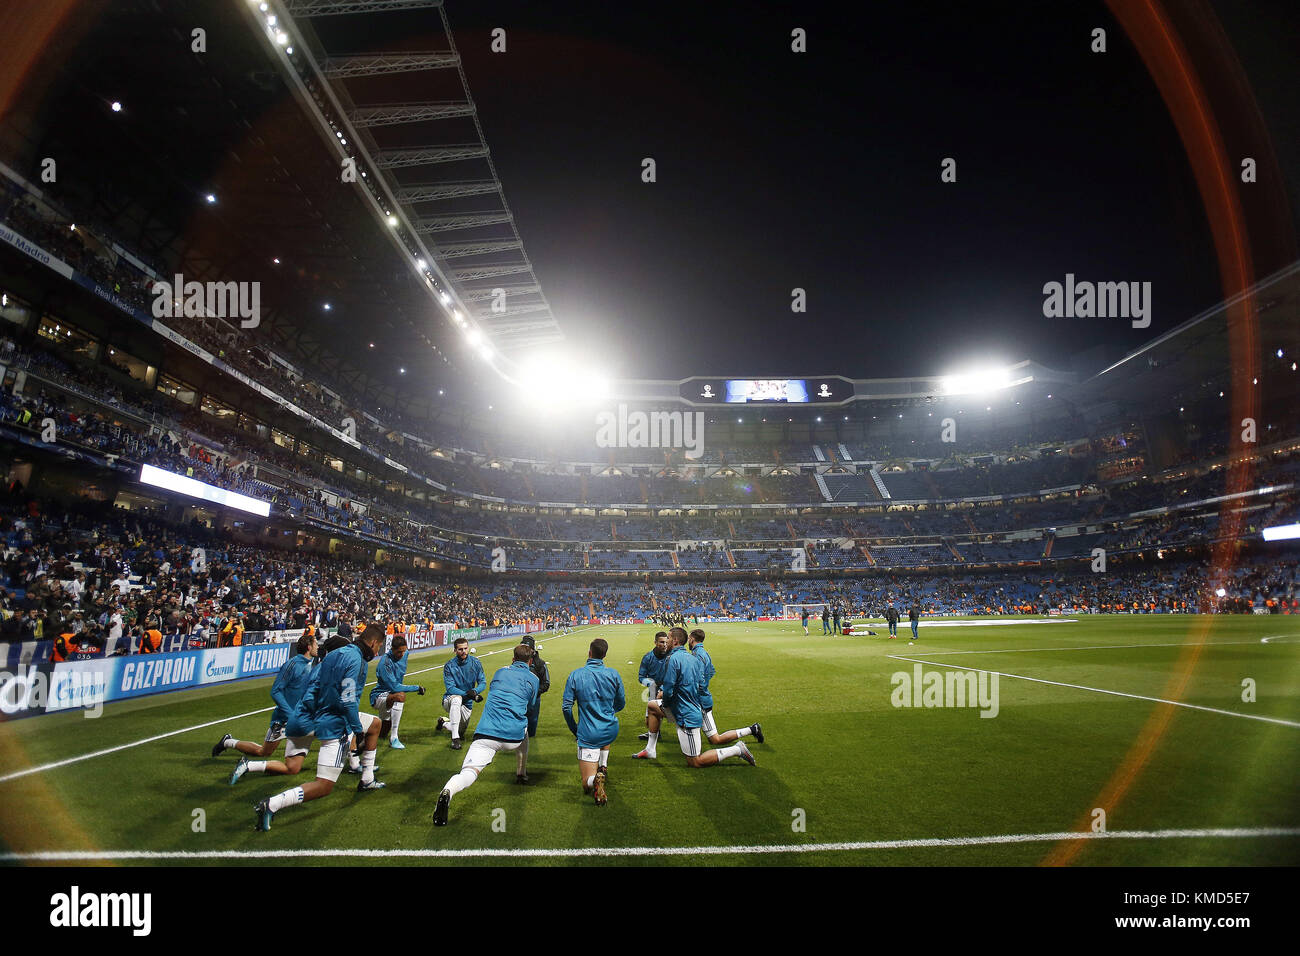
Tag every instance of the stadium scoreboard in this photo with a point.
(830, 390)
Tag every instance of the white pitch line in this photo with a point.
(184, 730)
(1102, 690)
(135, 743)
(46, 856)
(1084, 647)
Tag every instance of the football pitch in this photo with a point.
(1184, 730)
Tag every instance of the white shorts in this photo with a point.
(590, 754)
(275, 733)
(333, 754)
(482, 751)
(382, 705)
(689, 740)
(652, 692)
(708, 726)
(466, 704)
(298, 746)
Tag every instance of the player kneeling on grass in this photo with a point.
(598, 692)
(389, 695)
(464, 681)
(503, 727)
(329, 711)
(695, 643)
(289, 686)
(651, 672)
(681, 704)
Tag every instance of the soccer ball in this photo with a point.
(473, 650)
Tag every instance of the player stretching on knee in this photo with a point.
(503, 727)
(289, 686)
(681, 704)
(695, 643)
(464, 681)
(651, 673)
(598, 692)
(329, 711)
(389, 695)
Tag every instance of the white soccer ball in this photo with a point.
(473, 650)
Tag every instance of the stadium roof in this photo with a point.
(222, 122)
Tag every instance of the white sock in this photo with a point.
(744, 732)
(591, 782)
(604, 759)
(395, 715)
(725, 752)
(290, 798)
(368, 767)
(354, 761)
(652, 743)
(455, 718)
(523, 758)
(231, 743)
(461, 781)
(257, 766)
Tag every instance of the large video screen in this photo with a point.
(201, 489)
(767, 390)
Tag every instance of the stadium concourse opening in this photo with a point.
(375, 496)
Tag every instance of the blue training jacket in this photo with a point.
(706, 674)
(342, 676)
(463, 679)
(302, 722)
(652, 668)
(514, 692)
(389, 675)
(682, 688)
(290, 684)
(598, 691)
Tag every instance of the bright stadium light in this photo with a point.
(550, 382)
(976, 382)
(474, 336)
(1282, 532)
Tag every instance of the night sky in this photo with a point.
(822, 171)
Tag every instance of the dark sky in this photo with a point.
(822, 171)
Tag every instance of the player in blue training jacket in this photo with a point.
(389, 695)
(695, 644)
(464, 681)
(328, 710)
(598, 692)
(289, 686)
(680, 703)
(503, 727)
(651, 672)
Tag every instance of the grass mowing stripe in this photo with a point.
(135, 743)
(184, 730)
(1102, 690)
(1236, 833)
(1089, 647)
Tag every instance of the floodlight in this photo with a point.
(977, 381)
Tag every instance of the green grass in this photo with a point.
(859, 768)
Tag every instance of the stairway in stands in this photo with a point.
(821, 484)
(880, 483)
